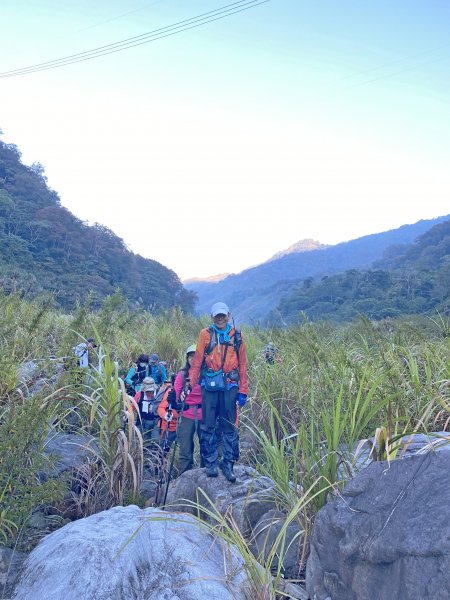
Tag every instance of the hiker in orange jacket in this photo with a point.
(220, 366)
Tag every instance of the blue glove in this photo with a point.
(242, 399)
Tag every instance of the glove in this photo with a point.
(242, 399)
(168, 416)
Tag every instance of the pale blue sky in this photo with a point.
(291, 120)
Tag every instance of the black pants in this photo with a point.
(219, 408)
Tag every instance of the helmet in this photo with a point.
(192, 348)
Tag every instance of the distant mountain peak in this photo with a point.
(210, 279)
(305, 245)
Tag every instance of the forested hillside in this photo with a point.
(45, 248)
(253, 293)
(409, 279)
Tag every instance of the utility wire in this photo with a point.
(145, 38)
(123, 44)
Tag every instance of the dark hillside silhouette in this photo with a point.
(45, 248)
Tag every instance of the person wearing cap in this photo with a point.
(220, 366)
(191, 405)
(145, 401)
(157, 369)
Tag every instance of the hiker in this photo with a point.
(168, 413)
(220, 365)
(271, 354)
(147, 403)
(157, 369)
(137, 374)
(189, 423)
(84, 353)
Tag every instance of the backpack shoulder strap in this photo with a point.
(212, 341)
(237, 342)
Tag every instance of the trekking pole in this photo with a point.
(161, 472)
(175, 443)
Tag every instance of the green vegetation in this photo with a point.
(44, 248)
(336, 385)
(257, 291)
(411, 279)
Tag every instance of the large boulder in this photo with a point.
(11, 566)
(69, 451)
(247, 500)
(264, 538)
(387, 535)
(130, 553)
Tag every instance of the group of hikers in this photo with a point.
(201, 400)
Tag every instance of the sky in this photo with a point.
(213, 149)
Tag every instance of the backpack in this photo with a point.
(159, 378)
(237, 341)
(81, 352)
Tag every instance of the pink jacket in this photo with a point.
(194, 399)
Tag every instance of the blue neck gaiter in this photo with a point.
(223, 334)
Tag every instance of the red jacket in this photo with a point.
(162, 411)
(214, 359)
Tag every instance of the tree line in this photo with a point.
(45, 248)
(409, 279)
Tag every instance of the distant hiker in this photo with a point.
(271, 354)
(189, 424)
(157, 369)
(220, 365)
(84, 353)
(148, 409)
(137, 374)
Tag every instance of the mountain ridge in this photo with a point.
(251, 294)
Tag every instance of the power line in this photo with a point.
(145, 38)
(129, 42)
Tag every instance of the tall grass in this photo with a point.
(335, 386)
(115, 472)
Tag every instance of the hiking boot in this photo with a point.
(211, 470)
(227, 470)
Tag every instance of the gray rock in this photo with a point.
(11, 565)
(27, 370)
(264, 537)
(69, 451)
(247, 500)
(129, 553)
(387, 536)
